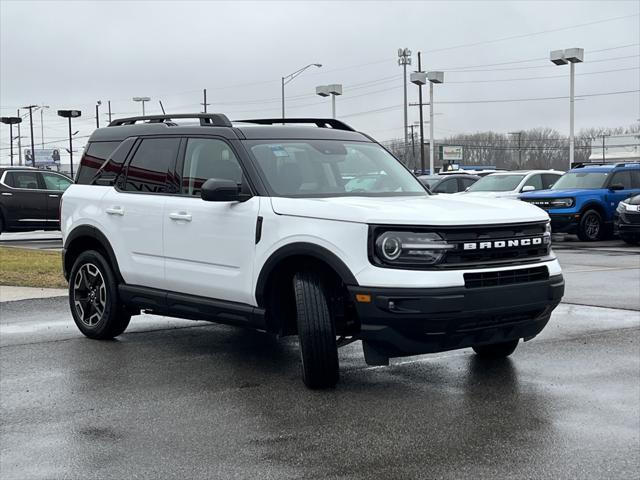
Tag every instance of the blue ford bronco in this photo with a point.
(584, 200)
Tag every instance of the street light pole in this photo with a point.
(562, 57)
(404, 59)
(290, 77)
(333, 90)
(433, 77)
(19, 140)
(420, 78)
(142, 100)
(70, 114)
(98, 103)
(11, 121)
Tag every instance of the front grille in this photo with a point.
(507, 254)
(505, 277)
(631, 218)
(544, 204)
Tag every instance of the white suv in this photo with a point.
(260, 223)
(512, 184)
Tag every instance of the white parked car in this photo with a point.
(512, 184)
(262, 225)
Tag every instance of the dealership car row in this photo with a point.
(593, 201)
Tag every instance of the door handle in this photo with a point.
(177, 216)
(54, 196)
(115, 211)
(7, 194)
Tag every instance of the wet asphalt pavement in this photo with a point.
(181, 399)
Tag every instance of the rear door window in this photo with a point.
(93, 158)
(25, 180)
(148, 169)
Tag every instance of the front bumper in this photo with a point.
(627, 223)
(564, 223)
(401, 322)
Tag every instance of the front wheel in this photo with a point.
(93, 298)
(496, 350)
(591, 227)
(316, 330)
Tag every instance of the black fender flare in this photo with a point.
(95, 234)
(302, 248)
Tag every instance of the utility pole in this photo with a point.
(604, 135)
(42, 107)
(413, 146)
(33, 147)
(204, 103)
(404, 59)
(519, 146)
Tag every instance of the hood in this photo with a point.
(560, 193)
(509, 194)
(423, 210)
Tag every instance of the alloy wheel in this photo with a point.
(89, 294)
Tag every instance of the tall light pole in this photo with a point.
(141, 99)
(33, 146)
(433, 77)
(11, 121)
(333, 90)
(42, 107)
(19, 140)
(288, 78)
(70, 114)
(98, 103)
(419, 78)
(404, 59)
(562, 57)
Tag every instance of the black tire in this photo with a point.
(591, 226)
(496, 350)
(316, 330)
(631, 239)
(93, 298)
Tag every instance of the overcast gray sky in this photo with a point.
(70, 54)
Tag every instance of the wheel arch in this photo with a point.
(274, 288)
(594, 205)
(85, 238)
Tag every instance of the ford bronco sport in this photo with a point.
(250, 223)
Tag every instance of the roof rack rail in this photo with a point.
(318, 122)
(206, 119)
(599, 164)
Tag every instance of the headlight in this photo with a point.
(562, 203)
(410, 248)
(626, 207)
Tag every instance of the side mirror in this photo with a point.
(218, 190)
(528, 188)
(616, 186)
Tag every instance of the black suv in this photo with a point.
(30, 199)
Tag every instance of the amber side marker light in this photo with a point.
(363, 298)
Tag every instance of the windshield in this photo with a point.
(581, 180)
(325, 168)
(496, 183)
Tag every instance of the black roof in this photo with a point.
(219, 125)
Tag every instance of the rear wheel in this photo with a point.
(93, 298)
(496, 350)
(316, 330)
(591, 227)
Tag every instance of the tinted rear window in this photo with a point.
(147, 171)
(93, 158)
